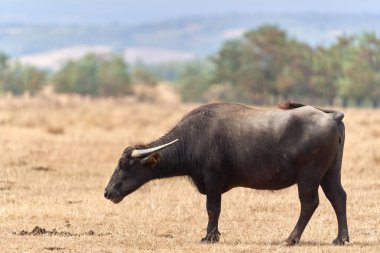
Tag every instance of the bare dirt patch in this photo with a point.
(54, 232)
(71, 202)
(6, 185)
(41, 168)
(54, 248)
(55, 130)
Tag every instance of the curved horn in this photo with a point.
(144, 152)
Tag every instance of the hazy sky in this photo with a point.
(138, 11)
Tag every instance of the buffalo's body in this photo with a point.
(222, 146)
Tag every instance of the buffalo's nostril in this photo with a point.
(106, 194)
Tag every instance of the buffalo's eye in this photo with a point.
(123, 163)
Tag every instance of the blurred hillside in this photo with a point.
(191, 35)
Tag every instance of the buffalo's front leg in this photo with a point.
(213, 211)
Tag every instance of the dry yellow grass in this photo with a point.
(56, 156)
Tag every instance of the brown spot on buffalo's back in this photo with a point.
(286, 105)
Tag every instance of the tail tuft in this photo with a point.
(338, 116)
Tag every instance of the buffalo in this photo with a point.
(220, 146)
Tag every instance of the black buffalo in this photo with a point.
(224, 145)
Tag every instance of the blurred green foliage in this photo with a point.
(264, 66)
(17, 78)
(94, 75)
(195, 79)
(144, 76)
(268, 66)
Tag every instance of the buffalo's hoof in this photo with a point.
(341, 240)
(211, 238)
(291, 241)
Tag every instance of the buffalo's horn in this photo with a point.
(144, 152)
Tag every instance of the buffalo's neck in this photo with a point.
(170, 163)
(165, 169)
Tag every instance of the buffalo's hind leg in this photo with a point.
(308, 195)
(213, 210)
(332, 187)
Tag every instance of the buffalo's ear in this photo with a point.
(151, 159)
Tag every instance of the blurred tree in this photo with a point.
(23, 78)
(326, 69)
(345, 52)
(265, 63)
(3, 69)
(368, 72)
(113, 77)
(294, 78)
(264, 55)
(3, 61)
(359, 68)
(195, 80)
(78, 76)
(228, 62)
(95, 75)
(144, 76)
(168, 71)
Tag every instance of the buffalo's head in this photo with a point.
(132, 171)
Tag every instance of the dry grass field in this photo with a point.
(57, 154)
